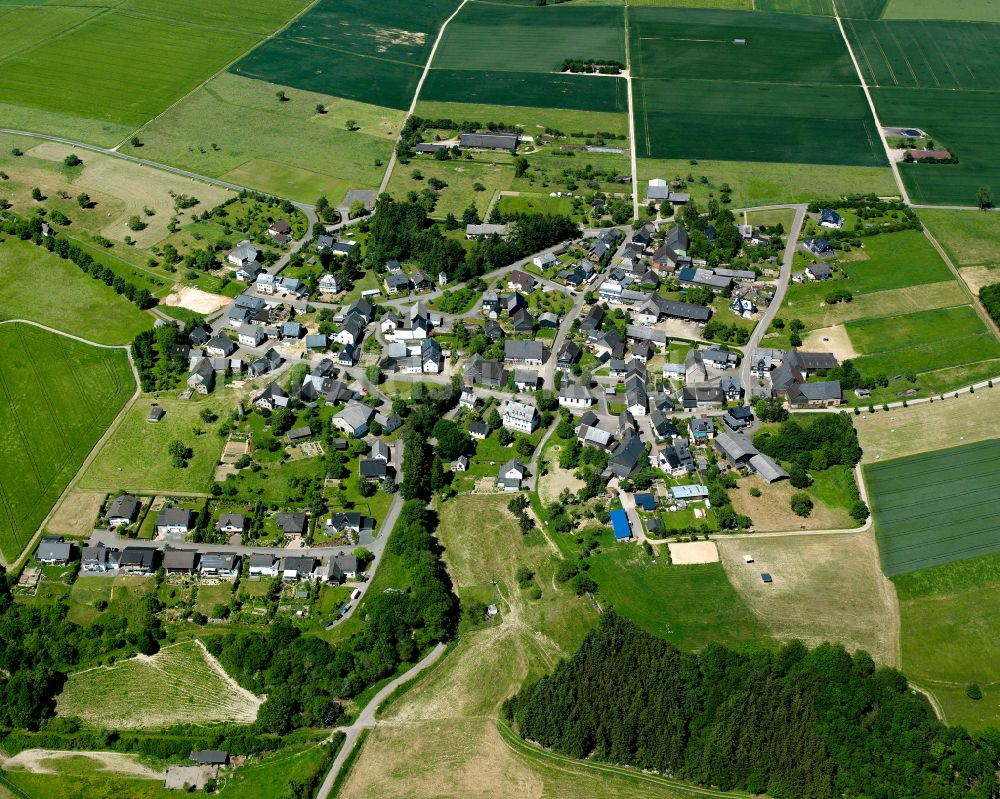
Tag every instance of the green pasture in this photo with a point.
(135, 457)
(948, 625)
(856, 9)
(730, 5)
(302, 65)
(71, 300)
(490, 172)
(690, 606)
(764, 183)
(971, 10)
(936, 507)
(769, 122)
(28, 26)
(780, 48)
(259, 17)
(926, 54)
(57, 398)
(970, 239)
(575, 92)
(135, 67)
(498, 38)
(966, 122)
(532, 119)
(283, 147)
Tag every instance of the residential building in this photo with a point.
(574, 396)
(511, 474)
(243, 255)
(479, 430)
(174, 521)
(179, 561)
(525, 379)
(123, 511)
(291, 523)
(263, 565)
(353, 419)
(99, 559)
(519, 416)
(137, 560)
(528, 353)
(53, 551)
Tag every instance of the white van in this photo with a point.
(355, 594)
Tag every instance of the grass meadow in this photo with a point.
(856, 9)
(180, 684)
(135, 457)
(531, 119)
(573, 92)
(283, 147)
(970, 10)
(949, 627)
(969, 239)
(72, 301)
(57, 397)
(935, 507)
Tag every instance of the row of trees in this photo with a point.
(31, 230)
(989, 296)
(795, 723)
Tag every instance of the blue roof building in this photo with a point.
(619, 521)
(645, 501)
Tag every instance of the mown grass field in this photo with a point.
(135, 457)
(57, 398)
(492, 37)
(180, 684)
(283, 147)
(949, 632)
(690, 606)
(774, 99)
(969, 239)
(808, 600)
(936, 507)
(71, 301)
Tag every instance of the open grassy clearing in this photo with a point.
(928, 426)
(971, 10)
(810, 599)
(57, 398)
(533, 119)
(71, 301)
(461, 177)
(804, 301)
(485, 36)
(963, 121)
(935, 507)
(949, 627)
(441, 738)
(283, 147)
(970, 239)
(180, 684)
(690, 606)
(772, 511)
(135, 457)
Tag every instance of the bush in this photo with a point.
(802, 505)
(584, 584)
(974, 692)
(566, 570)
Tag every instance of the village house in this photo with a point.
(511, 474)
(123, 511)
(244, 255)
(174, 521)
(574, 396)
(53, 551)
(527, 353)
(137, 560)
(179, 561)
(99, 559)
(220, 564)
(519, 416)
(263, 565)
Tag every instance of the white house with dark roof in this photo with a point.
(519, 416)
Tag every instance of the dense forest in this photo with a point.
(990, 298)
(796, 724)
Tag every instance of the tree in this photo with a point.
(799, 477)
(320, 108)
(179, 454)
(357, 209)
(520, 166)
(802, 505)
(136, 141)
(36, 194)
(584, 584)
(351, 125)
(72, 160)
(282, 97)
(984, 197)
(974, 692)
(83, 200)
(438, 478)
(136, 224)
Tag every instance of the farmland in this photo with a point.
(568, 122)
(949, 623)
(72, 301)
(857, 9)
(57, 397)
(135, 456)
(341, 48)
(285, 147)
(807, 599)
(575, 92)
(180, 684)
(934, 508)
(971, 10)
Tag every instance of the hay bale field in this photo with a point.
(826, 588)
(180, 684)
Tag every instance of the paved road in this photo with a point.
(784, 275)
(366, 719)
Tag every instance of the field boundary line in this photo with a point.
(112, 427)
(416, 92)
(61, 34)
(218, 72)
(631, 116)
(871, 104)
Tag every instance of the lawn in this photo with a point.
(135, 457)
(690, 606)
(948, 626)
(180, 684)
(72, 301)
(57, 398)
(283, 147)
(86, 592)
(935, 507)
(808, 600)
(488, 37)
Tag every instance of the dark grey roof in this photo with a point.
(209, 757)
(179, 559)
(171, 517)
(291, 522)
(490, 141)
(123, 507)
(138, 556)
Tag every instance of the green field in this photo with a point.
(857, 9)
(71, 301)
(488, 37)
(57, 397)
(282, 147)
(575, 92)
(690, 606)
(948, 626)
(936, 507)
(135, 458)
(698, 94)
(567, 121)
(971, 10)
(177, 685)
(970, 239)
(354, 49)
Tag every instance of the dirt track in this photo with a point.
(43, 761)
